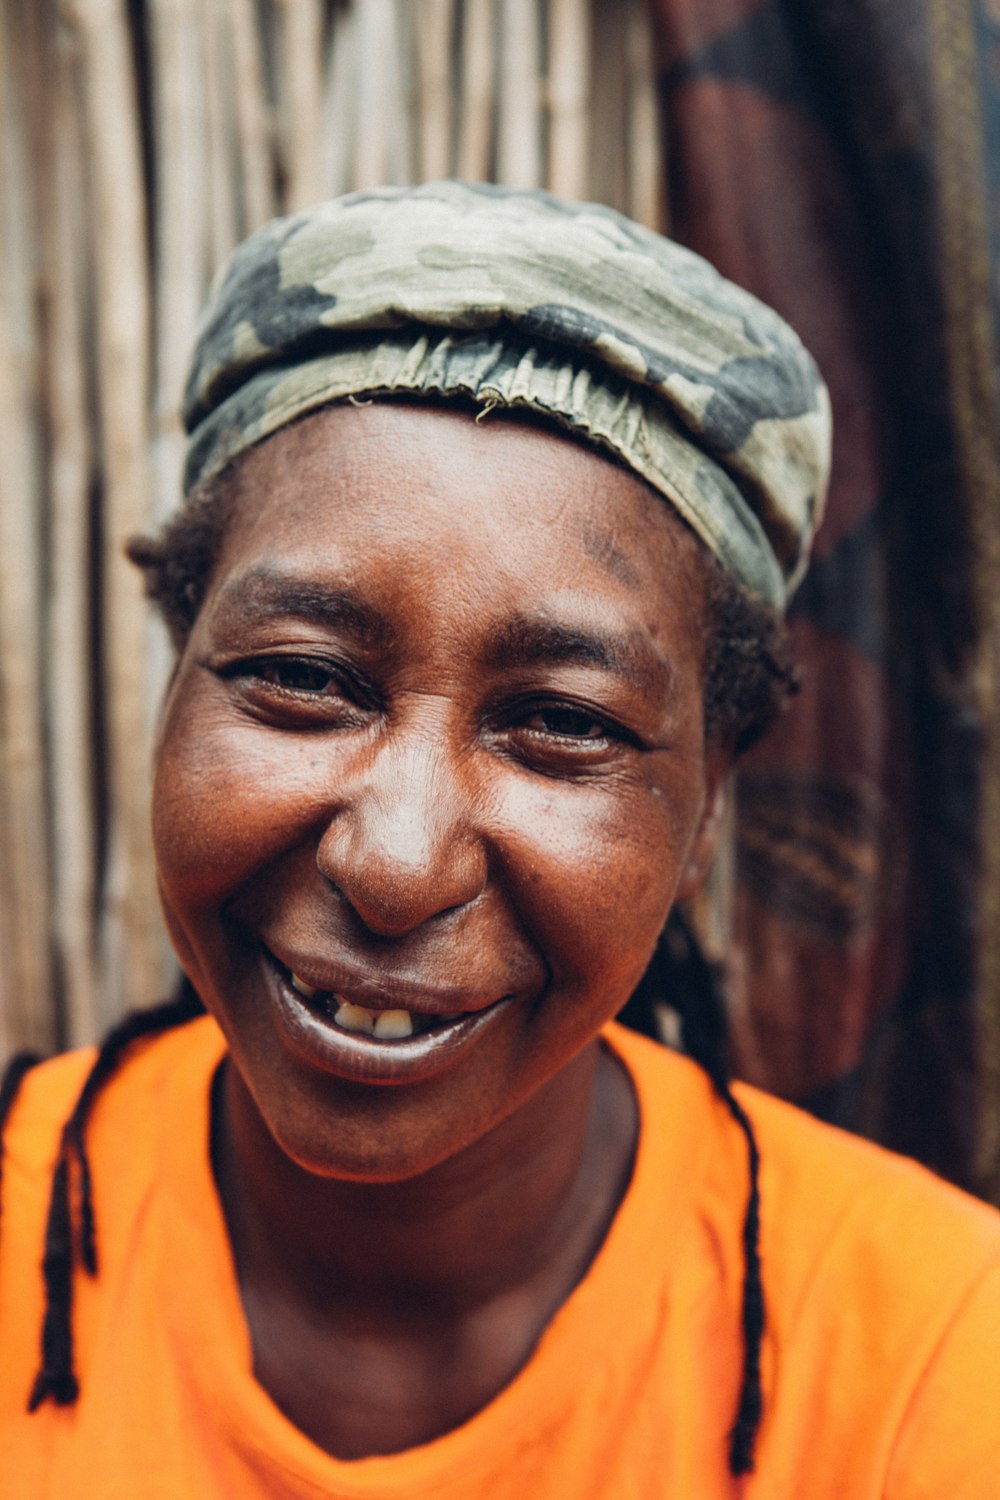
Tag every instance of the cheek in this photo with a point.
(222, 808)
(598, 868)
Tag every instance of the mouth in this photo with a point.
(384, 1024)
(383, 1043)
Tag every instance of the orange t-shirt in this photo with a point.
(881, 1363)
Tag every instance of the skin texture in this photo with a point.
(436, 741)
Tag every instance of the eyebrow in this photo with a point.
(268, 593)
(529, 643)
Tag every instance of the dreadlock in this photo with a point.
(56, 1379)
(749, 677)
(680, 975)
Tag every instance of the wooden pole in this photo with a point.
(434, 25)
(340, 103)
(180, 222)
(255, 135)
(219, 145)
(569, 97)
(24, 869)
(519, 126)
(132, 947)
(646, 196)
(70, 635)
(381, 133)
(300, 52)
(478, 88)
(609, 171)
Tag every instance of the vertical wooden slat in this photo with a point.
(569, 97)
(132, 950)
(254, 145)
(478, 87)
(381, 132)
(519, 125)
(340, 103)
(218, 143)
(645, 168)
(301, 52)
(434, 23)
(400, 99)
(70, 640)
(374, 36)
(183, 189)
(609, 166)
(29, 1016)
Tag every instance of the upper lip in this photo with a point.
(384, 992)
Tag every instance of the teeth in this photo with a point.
(389, 1025)
(393, 1024)
(355, 1018)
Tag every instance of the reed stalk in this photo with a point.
(340, 103)
(477, 90)
(301, 52)
(131, 945)
(254, 124)
(69, 634)
(645, 168)
(29, 1014)
(519, 123)
(569, 97)
(434, 24)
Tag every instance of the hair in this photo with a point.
(749, 677)
(680, 976)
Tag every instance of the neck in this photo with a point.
(525, 1206)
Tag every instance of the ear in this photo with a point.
(702, 851)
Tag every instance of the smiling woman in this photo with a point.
(493, 505)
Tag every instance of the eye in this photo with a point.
(568, 723)
(294, 674)
(563, 738)
(299, 691)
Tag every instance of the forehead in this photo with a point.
(506, 497)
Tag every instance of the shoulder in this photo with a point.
(882, 1288)
(44, 1099)
(51, 1089)
(819, 1184)
(841, 1198)
(884, 1307)
(120, 1130)
(133, 1110)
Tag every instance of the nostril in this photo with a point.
(394, 888)
(403, 846)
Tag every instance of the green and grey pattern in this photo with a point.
(629, 341)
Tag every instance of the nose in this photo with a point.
(402, 845)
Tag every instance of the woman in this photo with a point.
(492, 503)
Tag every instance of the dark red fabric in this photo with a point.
(800, 151)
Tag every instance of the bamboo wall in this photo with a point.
(139, 141)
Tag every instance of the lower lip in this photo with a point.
(366, 1059)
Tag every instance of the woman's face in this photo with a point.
(433, 759)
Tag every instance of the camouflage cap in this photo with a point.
(516, 299)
